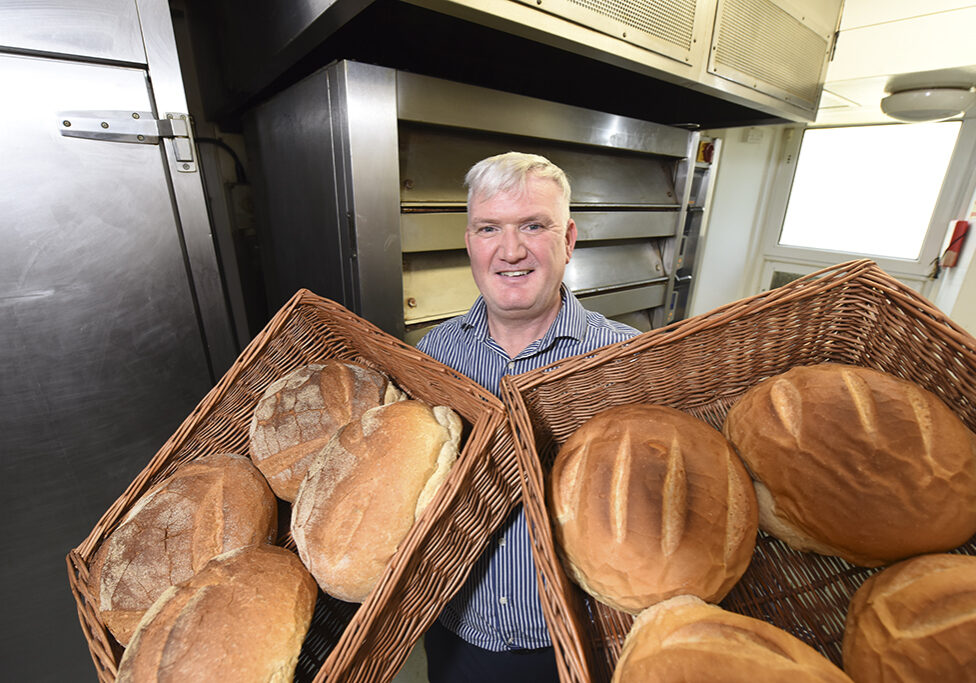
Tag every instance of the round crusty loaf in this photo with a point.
(207, 507)
(649, 502)
(365, 490)
(241, 618)
(300, 412)
(914, 621)
(684, 639)
(854, 462)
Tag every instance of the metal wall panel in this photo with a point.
(445, 230)
(434, 101)
(439, 285)
(433, 162)
(95, 29)
(101, 351)
(305, 246)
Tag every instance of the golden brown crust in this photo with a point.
(856, 463)
(684, 639)
(300, 412)
(367, 488)
(648, 502)
(207, 507)
(242, 617)
(914, 621)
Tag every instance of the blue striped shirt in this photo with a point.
(498, 608)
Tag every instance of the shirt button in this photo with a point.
(503, 600)
(501, 541)
(511, 364)
(510, 641)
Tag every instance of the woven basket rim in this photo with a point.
(808, 286)
(484, 449)
(616, 367)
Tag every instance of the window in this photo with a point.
(869, 189)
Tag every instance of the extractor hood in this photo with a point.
(707, 63)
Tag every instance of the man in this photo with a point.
(519, 238)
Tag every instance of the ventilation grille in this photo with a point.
(664, 26)
(760, 45)
(671, 21)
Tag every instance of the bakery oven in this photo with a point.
(360, 195)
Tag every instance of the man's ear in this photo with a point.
(570, 238)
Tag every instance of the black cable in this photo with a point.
(238, 166)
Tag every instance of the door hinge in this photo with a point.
(139, 127)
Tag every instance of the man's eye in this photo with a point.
(533, 227)
(486, 229)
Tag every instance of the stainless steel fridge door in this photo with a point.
(101, 350)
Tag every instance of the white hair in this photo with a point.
(509, 172)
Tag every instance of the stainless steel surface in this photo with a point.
(614, 265)
(187, 188)
(598, 37)
(664, 27)
(370, 198)
(434, 160)
(138, 127)
(684, 183)
(446, 103)
(304, 240)
(445, 230)
(360, 187)
(613, 225)
(101, 354)
(328, 190)
(438, 285)
(432, 231)
(773, 48)
(108, 290)
(95, 29)
(621, 303)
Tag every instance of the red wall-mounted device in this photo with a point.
(951, 254)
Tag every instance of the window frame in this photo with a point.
(956, 189)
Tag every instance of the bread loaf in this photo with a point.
(241, 618)
(853, 462)
(684, 639)
(365, 490)
(648, 502)
(207, 507)
(914, 621)
(300, 412)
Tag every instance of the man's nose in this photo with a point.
(512, 247)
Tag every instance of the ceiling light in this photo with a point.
(928, 104)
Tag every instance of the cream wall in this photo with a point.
(747, 166)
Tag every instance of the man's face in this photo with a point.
(519, 245)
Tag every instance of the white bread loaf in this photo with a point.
(854, 462)
(914, 621)
(241, 618)
(366, 489)
(648, 502)
(207, 507)
(684, 639)
(300, 412)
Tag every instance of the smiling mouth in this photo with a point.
(513, 273)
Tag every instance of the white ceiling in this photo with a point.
(887, 45)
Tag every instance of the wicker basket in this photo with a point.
(853, 313)
(346, 642)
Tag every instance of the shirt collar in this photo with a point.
(570, 322)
